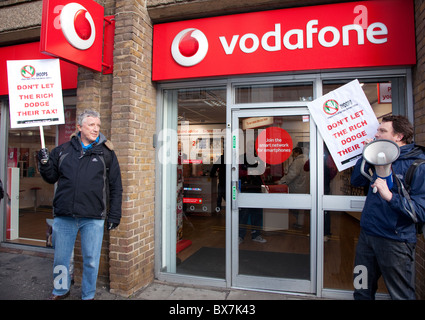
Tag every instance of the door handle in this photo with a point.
(234, 194)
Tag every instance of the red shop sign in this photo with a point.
(73, 31)
(344, 35)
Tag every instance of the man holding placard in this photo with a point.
(89, 191)
(387, 239)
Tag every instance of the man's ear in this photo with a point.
(399, 137)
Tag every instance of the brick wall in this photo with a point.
(127, 103)
(131, 256)
(172, 10)
(419, 110)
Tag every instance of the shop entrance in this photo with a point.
(229, 214)
(273, 199)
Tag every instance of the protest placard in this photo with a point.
(345, 120)
(35, 93)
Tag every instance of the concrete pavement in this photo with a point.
(27, 275)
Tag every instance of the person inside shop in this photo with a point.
(250, 183)
(83, 169)
(387, 239)
(329, 172)
(220, 166)
(297, 181)
(1, 190)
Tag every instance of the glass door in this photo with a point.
(273, 199)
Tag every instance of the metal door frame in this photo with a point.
(281, 201)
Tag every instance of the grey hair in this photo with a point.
(87, 113)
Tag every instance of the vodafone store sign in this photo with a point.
(73, 31)
(342, 35)
(274, 145)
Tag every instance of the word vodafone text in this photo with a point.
(293, 39)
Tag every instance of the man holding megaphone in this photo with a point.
(387, 239)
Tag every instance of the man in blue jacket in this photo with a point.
(89, 191)
(387, 237)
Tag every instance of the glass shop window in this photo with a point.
(29, 209)
(275, 92)
(194, 173)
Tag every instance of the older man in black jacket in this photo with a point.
(89, 191)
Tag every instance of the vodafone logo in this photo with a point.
(77, 26)
(189, 47)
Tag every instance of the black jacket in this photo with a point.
(83, 181)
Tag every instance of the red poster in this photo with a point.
(67, 129)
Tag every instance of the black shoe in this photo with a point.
(55, 297)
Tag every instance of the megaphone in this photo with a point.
(381, 154)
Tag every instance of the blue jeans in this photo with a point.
(65, 231)
(394, 260)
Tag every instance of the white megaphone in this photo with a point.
(381, 154)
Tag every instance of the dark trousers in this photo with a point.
(394, 260)
(255, 215)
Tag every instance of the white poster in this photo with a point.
(35, 93)
(345, 120)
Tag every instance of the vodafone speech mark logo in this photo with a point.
(77, 26)
(189, 47)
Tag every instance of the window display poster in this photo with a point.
(66, 130)
(35, 93)
(345, 120)
(12, 157)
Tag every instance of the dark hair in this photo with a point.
(401, 125)
(298, 150)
